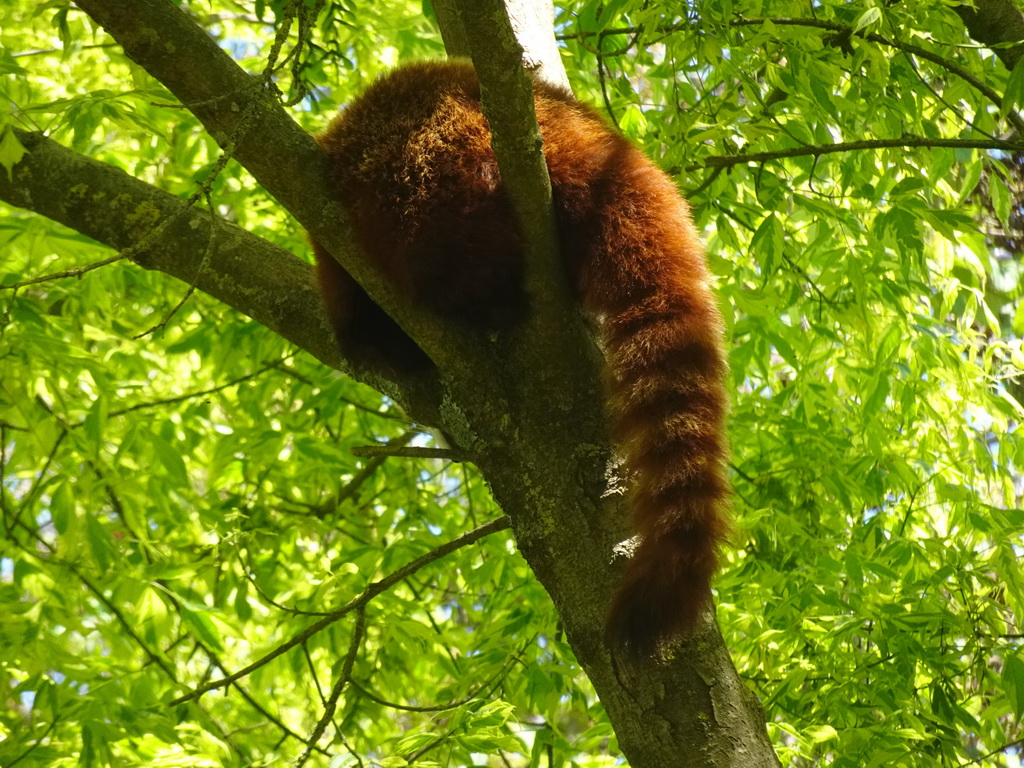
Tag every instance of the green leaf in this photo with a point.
(199, 624)
(60, 22)
(170, 460)
(869, 17)
(1013, 679)
(1000, 199)
(11, 150)
(1013, 95)
(767, 244)
(821, 733)
(878, 394)
(95, 421)
(101, 544)
(63, 508)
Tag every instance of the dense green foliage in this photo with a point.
(180, 496)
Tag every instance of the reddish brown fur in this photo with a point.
(415, 168)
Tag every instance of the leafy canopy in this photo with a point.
(179, 490)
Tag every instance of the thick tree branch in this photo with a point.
(110, 206)
(555, 341)
(507, 100)
(507, 96)
(268, 284)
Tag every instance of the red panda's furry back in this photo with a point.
(415, 169)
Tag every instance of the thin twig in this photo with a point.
(76, 272)
(34, 745)
(198, 393)
(387, 451)
(983, 758)
(374, 589)
(817, 150)
(473, 694)
(191, 289)
(832, 26)
(250, 700)
(37, 483)
(352, 486)
(339, 686)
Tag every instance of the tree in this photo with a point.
(207, 558)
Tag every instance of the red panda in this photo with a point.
(412, 160)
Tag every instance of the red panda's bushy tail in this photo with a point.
(666, 366)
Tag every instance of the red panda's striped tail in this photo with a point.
(666, 366)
